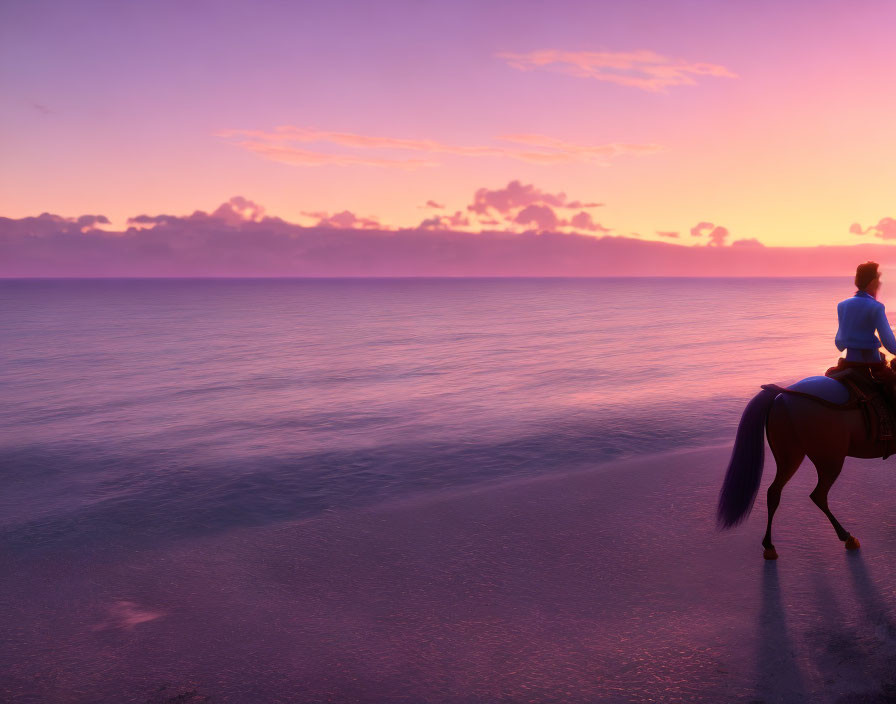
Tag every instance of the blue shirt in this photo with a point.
(859, 317)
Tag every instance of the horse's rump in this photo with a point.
(849, 386)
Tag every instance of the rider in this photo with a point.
(859, 317)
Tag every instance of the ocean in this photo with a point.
(141, 412)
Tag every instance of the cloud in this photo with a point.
(542, 216)
(303, 157)
(149, 219)
(584, 221)
(445, 222)
(48, 225)
(525, 204)
(580, 151)
(666, 233)
(513, 205)
(347, 220)
(281, 144)
(885, 229)
(218, 244)
(233, 212)
(89, 222)
(642, 69)
(717, 236)
(238, 209)
(516, 194)
(751, 242)
(701, 228)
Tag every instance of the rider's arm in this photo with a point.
(838, 340)
(885, 331)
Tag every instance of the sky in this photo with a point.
(696, 123)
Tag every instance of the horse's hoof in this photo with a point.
(852, 543)
(770, 554)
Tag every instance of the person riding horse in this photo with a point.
(859, 317)
(826, 419)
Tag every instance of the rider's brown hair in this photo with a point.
(865, 274)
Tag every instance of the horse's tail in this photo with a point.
(745, 468)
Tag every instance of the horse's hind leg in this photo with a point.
(789, 454)
(828, 471)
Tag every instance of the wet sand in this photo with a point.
(608, 584)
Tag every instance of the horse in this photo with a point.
(805, 424)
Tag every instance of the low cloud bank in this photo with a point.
(237, 239)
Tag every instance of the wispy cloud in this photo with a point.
(885, 229)
(285, 144)
(295, 156)
(561, 150)
(642, 69)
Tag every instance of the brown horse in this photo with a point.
(797, 427)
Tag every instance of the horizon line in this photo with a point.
(343, 278)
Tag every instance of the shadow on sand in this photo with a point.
(876, 608)
(779, 677)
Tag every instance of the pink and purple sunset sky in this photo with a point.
(691, 123)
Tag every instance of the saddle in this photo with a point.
(872, 389)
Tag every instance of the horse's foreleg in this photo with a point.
(828, 471)
(789, 454)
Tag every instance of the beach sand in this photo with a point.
(606, 584)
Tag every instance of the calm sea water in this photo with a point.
(147, 410)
